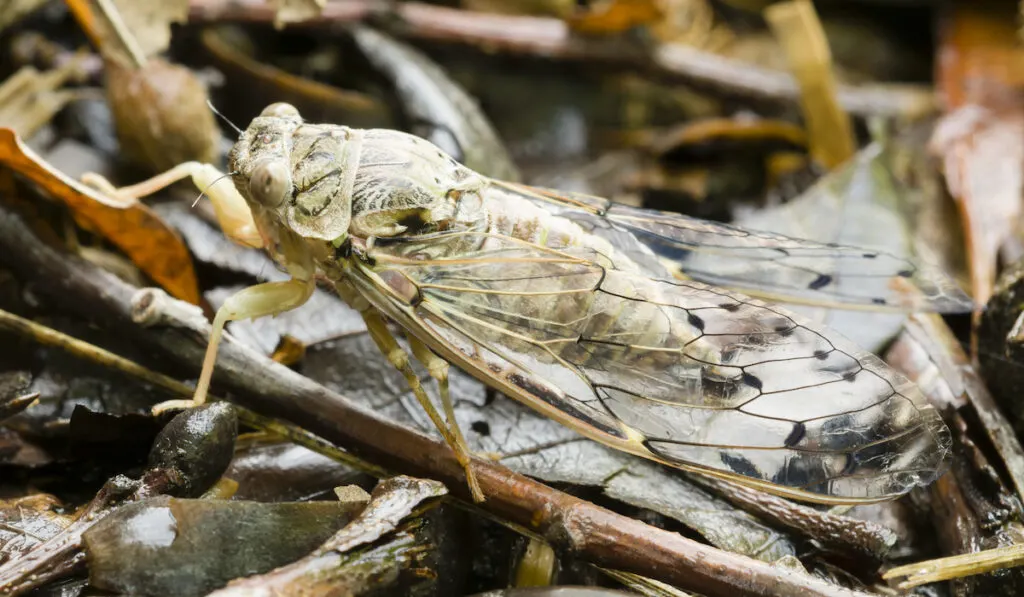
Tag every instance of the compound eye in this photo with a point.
(280, 110)
(270, 183)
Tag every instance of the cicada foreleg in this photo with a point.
(236, 221)
(389, 346)
(232, 213)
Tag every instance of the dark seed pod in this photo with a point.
(198, 443)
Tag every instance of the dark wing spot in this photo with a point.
(821, 355)
(878, 301)
(907, 273)
(695, 321)
(869, 255)
(730, 307)
(481, 427)
(820, 282)
(740, 465)
(795, 435)
(785, 330)
(752, 381)
(783, 251)
(850, 375)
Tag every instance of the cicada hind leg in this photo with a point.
(438, 369)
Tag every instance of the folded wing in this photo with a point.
(762, 264)
(672, 370)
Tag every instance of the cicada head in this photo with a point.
(293, 174)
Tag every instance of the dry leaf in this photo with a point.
(29, 98)
(129, 29)
(981, 139)
(296, 11)
(289, 351)
(134, 228)
(615, 16)
(161, 115)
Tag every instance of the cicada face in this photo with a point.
(297, 176)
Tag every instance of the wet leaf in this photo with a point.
(161, 115)
(281, 472)
(331, 568)
(27, 521)
(169, 546)
(133, 227)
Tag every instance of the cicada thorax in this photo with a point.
(407, 186)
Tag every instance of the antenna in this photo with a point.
(215, 181)
(222, 117)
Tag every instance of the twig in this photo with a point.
(90, 352)
(839, 533)
(552, 38)
(589, 531)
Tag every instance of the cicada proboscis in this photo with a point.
(625, 324)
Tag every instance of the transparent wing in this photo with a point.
(761, 264)
(673, 370)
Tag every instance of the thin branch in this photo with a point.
(90, 352)
(589, 531)
(838, 533)
(552, 38)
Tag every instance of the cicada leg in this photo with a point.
(269, 298)
(389, 346)
(438, 369)
(236, 221)
(232, 212)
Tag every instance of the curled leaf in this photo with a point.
(133, 227)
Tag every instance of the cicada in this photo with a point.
(635, 328)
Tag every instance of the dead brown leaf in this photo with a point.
(980, 141)
(130, 30)
(289, 351)
(615, 16)
(133, 227)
